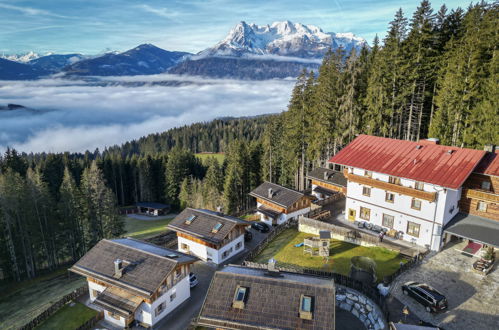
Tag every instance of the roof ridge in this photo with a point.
(285, 187)
(216, 215)
(147, 252)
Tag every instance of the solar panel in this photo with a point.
(190, 219)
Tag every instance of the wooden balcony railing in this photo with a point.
(420, 194)
(481, 195)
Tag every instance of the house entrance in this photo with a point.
(351, 214)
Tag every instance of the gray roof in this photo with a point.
(156, 206)
(476, 228)
(149, 264)
(271, 303)
(281, 196)
(332, 177)
(268, 212)
(202, 226)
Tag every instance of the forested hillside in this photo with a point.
(434, 75)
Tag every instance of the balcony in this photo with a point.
(483, 195)
(364, 180)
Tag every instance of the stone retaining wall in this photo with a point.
(361, 307)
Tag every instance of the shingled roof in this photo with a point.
(147, 265)
(271, 302)
(203, 222)
(424, 160)
(328, 176)
(281, 196)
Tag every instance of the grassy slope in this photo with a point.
(204, 156)
(68, 317)
(283, 250)
(146, 228)
(23, 301)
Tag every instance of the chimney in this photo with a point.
(489, 148)
(219, 209)
(270, 193)
(118, 268)
(326, 175)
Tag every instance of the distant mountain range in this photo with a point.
(249, 51)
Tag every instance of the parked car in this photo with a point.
(432, 300)
(260, 226)
(193, 280)
(248, 236)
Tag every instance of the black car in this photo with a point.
(432, 300)
(260, 226)
(248, 236)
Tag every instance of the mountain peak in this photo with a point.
(283, 38)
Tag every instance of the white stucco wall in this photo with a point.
(283, 217)
(204, 252)
(94, 286)
(146, 312)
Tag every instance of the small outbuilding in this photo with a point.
(152, 209)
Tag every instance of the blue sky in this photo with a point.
(94, 26)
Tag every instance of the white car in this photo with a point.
(193, 280)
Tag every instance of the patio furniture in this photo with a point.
(377, 228)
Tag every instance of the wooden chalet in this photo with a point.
(327, 182)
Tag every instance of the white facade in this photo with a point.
(430, 218)
(282, 217)
(210, 254)
(147, 313)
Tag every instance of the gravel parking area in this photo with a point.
(473, 299)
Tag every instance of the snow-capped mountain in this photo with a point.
(54, 63)
(22, 58)
(282, 38)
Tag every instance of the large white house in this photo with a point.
(412, 188)
(277, 204)
(209, 235)
(132, 280)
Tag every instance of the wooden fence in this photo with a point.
(90, 324)
(55, 307)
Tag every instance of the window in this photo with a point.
(366, 191)
(389, 197)
(184, 246)
(388, 220)
(190, 219)
(239, 297)
(173, 296)
(486, 185)
(306, 303)
(413, 229)
(365, 213)
(337, 167)
(481, 206)
(416, 204)
(160, 308)
(178, 272)
(238, 246)
(419, 185)
(394, 180)
(226, 253)
(217, 227)
(369, 174)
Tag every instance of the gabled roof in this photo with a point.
(489, 164)
(148, 267)
(420, 161)
(271, 302)
(328, 176)
(281, 196)
(475, 228)
(202, 225)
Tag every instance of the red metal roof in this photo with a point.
(420, 161)
(489, 164)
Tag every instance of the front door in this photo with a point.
(351, 214)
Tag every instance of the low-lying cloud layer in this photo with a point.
(68, 115)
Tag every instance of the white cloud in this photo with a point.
(163, 12)
(31, 11)
(77, 115)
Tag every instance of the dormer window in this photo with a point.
(240, 297)
(190, 219)
(369, 174)
(217, 227)
(306, 305)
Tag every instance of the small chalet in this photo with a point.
(132, 280)
(478, 220)
(152, 209)
(277, 204)
(209, 235)
(326, 182)
(249, 298)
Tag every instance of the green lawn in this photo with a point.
(21, 302)
(68, 317)
(283, 250)
(146, 228)
(204, 156)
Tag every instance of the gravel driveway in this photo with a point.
(473, 299)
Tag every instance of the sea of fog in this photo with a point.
(78, 115)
